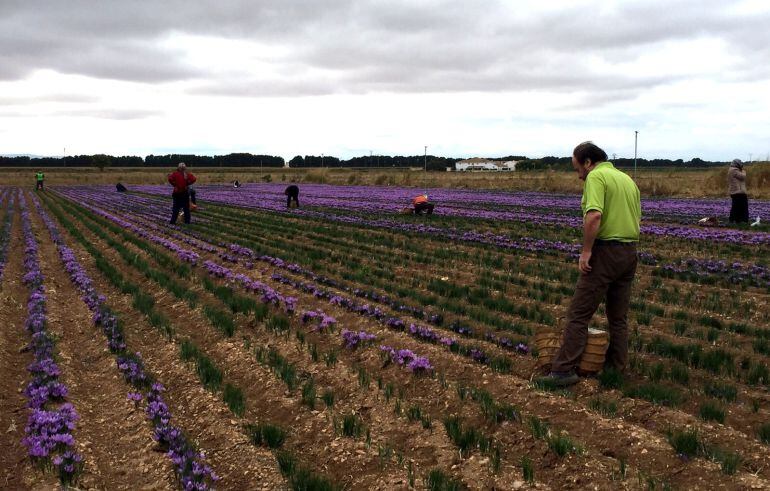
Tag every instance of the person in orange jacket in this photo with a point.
(181, 180)
(421, 204)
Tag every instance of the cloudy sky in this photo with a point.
(350, 77)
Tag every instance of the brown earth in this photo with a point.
(688, 474)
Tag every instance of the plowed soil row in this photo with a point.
(692, 467)
(112, 435)
(742, 418)
(201, 415)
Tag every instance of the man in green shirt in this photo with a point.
(39, 176)
(611, 214)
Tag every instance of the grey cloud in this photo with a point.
(366, 46)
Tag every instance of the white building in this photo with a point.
(479, 164)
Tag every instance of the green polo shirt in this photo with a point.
(615, 195)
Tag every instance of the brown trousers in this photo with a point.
(613, 266)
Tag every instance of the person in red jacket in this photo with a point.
(181, 180)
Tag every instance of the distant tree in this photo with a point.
(101, 161)
(297, 162)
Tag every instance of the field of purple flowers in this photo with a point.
(343, 345)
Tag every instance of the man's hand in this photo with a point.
(583, 265)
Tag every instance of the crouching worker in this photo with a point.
(181, 180)
(120, 188)
(607, 264)
(292, 194)
(421, 204)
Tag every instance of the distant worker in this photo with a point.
(421, 204)
(736, 187)
(236, 184)
(39, 176)
(611, 215)
(181, 180)
(292, 193)
(120, 188)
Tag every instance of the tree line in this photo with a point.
(432, 162)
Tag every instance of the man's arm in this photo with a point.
(591, 223)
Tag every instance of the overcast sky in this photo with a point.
(350, 77)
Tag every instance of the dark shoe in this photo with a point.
(558, 379)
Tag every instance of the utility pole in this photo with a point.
(636, 135)
(370, 158)
(426, 158)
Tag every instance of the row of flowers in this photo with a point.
(557, 210)
(48, 434)
(189, 464)
(745, 273)
(269, 295)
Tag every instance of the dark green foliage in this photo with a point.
(679, 373)
(604, 407)
(352, 426)
(210, 375)
(727, 392)
(466, 439)
(414, 413)
(278, 323)
(764, 433)
(710, 411)
(501, 364)
(234, 398)
(221, 320)
(643, 318)
(437, 480)
(287, 463)
(680, 328)
(493, 411)
(187, 350)
(758, 374)
(363, 378)
(328, 397)
(309, 393)
(267, 435)
(729, 461)
(538, 427)
(528, 470)
(655, 393)
(685, 442)
(656, 372)
(561, 444)
(330, 358)
(282, 368)
(611, 378)
(304, 480)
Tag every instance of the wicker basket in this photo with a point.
(548, 342)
